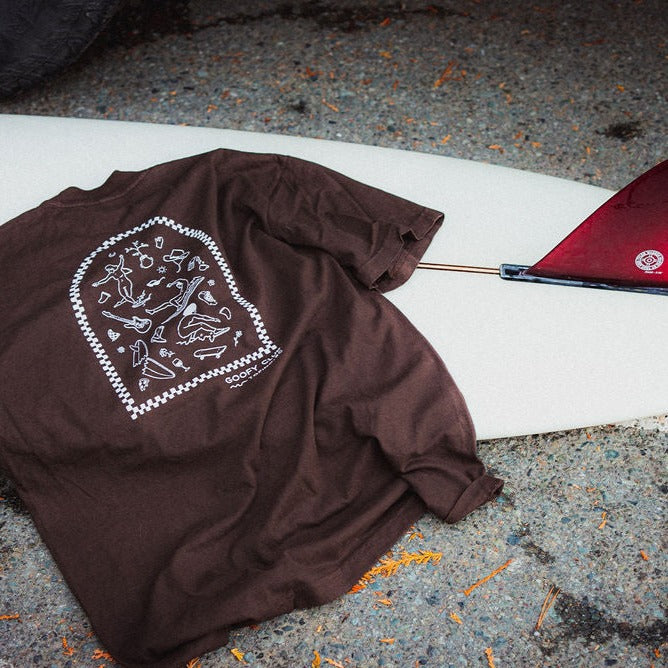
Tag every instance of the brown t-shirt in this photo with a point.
(211, 411)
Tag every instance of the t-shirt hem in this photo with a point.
(376, 545)
(181, 657)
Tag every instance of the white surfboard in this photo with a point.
(528, 358)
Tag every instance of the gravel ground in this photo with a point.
(575, 90)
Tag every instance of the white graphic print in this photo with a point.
(119, 273)
(141, 325)
(145, 261)
(207, 297)
(177, 256)
(158, 335)
(181, 316)
(201, 266)
(179, 301)
(195, 326)
(180, 365)
(210, 352)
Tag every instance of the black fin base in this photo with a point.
(517, 272)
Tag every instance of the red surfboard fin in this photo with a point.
(622, 245)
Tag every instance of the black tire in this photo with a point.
(39, 37)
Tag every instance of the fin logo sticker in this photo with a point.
(162, 313)
(649, 261)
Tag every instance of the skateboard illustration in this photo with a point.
(216, 352)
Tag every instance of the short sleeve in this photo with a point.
(420, 421)
(375, 235)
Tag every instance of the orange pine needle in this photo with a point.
(238, 655)
(447, 73)
(5, 618)
(388, 566)
(356, 588)
(310, 74)
(547, 604)
(490, 658)
(605, 520)
(456, 617)
(412, 530)
(67, 650)
(316, 663)
(194, 663)
(330, 106)
(643, 554)
(468, 591)
(388, 641)
(101, 654)
(331, 662)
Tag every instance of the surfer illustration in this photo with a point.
(195, 326)
(120, 273)
(180, 301)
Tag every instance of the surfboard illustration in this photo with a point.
(623, 245)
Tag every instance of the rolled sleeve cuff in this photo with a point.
(394, 264)
(476, 494)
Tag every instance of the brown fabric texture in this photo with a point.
(210, 409)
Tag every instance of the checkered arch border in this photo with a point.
(135, 409)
